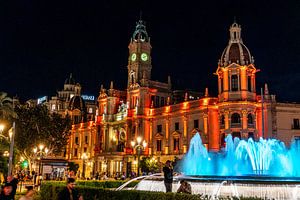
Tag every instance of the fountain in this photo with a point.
(265, 157)
(263, 168)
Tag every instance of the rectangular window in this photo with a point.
(158, 145)
(75, 152)
(234, 83)
(152, 101)
(196, 123)
(76, 140)
(84, 149)
(86, 139)
(162, 101)
(156, 102)
(176, 126)
(296, 124)
(159, 128)
(176, 144)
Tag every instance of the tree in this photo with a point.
(149, 164)
(6, 115)
(73, 167)
(36, 126)
(6, 106)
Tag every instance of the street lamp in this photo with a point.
(138, 147)
(84, 158)
(39, 153)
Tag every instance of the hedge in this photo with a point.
(93, 183)
(49, 192)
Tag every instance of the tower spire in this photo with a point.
(141, 14)
(140, 34)
(235, 33)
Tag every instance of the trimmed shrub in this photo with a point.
(93, 183)
(50, 192)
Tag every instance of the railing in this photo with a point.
(236, 125)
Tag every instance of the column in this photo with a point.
(244, 119)
(150, 137)
(167, 137)
(185, 131)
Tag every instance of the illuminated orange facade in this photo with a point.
(147, 109)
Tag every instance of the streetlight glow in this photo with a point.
(1, 127)
(144, 144)
(132, 143)
(34, 150)
(6, 154)
(41, 147)
(139, 139)
(10, 133)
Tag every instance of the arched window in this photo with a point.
(223, 142)
(234, 83)
(250, 119)
(236, 134)
(222, 120)
(235, 118)
(251, 135)
(249, 84)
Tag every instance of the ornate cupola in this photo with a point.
(77, 108)
(140, 33)
(236, 51)
(139, 60)
(236, 71)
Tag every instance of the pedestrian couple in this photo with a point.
(185, 187)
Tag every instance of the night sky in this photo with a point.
(42, 42)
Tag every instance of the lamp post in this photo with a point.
(138, 146)
(84, 158)
(39, 153)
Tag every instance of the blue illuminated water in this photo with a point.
(265, 157)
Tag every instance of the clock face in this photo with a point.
(133, 57)
(144, 57)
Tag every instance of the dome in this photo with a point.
(77, 102)
(236, 51)
(70, 80)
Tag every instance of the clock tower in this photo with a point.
(139, 60)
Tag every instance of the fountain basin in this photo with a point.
(231, 186)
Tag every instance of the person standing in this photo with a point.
(14, 183)
(6, 192)
(69, 192)
(168, 176)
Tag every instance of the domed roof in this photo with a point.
(77, 102)
(236, 51)
(70, 80)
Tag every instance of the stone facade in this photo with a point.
(167, 119)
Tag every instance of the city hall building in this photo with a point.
(166, 119)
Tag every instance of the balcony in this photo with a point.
(236, 125)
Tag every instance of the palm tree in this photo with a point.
(6, 106)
